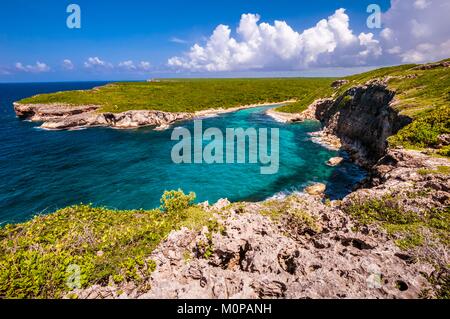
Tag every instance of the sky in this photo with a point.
(137, 40)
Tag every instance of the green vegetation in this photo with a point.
(424, 132)
(409, 228)
(36, 257)
(193, 94)
(441, 170)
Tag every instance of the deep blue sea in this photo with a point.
(41, 171)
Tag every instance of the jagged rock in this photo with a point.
(221, 204)
(444, 139)
(254, 259)
(316, 189)
(430, 66)
(326, 139)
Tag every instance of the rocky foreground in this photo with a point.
(303, 247)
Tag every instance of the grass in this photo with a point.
(193, 94)
(440, 170)
(39, 258)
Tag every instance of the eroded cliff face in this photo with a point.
(363, 119)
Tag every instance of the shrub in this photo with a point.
(174, 202)
(425, 130)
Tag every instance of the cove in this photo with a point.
(42, 171)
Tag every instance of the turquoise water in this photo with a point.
(41, 171)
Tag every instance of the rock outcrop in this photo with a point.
(338, 83)
(64, 117)
(363, 119)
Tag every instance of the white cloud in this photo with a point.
(279, 46)
(4, 71)
(68, 65)
(97, 63)
(144, 66)
(412, 32)
(395, 50)
(129, 65)
(386, 34)
(39, 67)
(416, 33)
(421, 4)
(372, 45)
(420, 30)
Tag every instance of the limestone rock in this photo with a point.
(66, 117)
(316, 189)
(335, 161)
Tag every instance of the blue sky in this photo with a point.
(152, 32)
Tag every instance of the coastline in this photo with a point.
(216, 112)
(282, 117)
(308, 114)
(69, 117)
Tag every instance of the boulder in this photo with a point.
(335, 161)
(316, 189)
